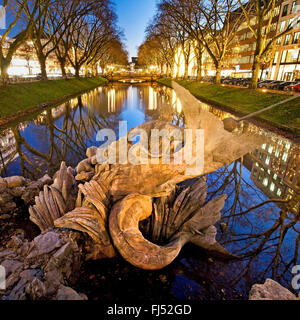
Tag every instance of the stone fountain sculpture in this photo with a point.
(115, 198)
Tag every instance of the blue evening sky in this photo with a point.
(133, 16)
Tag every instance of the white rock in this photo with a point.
(270, 290)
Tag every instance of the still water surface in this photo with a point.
(260, 221)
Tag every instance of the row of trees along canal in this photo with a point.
(79, 32)
(212, 25)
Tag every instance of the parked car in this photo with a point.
(226, 80)
(282, 85)
(234, 81)
(296, 87)
(293, 87)
(289, 83)
(264, 83)
(272, 85)
(245, 82)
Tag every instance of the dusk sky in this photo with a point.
(134, 16)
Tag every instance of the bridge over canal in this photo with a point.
(132, 78)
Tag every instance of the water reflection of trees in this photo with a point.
(66, 132)
(263, 233)
(262, 211)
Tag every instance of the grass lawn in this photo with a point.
(245, 101)
(17, 98)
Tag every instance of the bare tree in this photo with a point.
(163, 42)
(8, 46)
(198, 51)
(90, 34)
(181, 36)
(65, 14)
(262, 11)
(212, 24)
(113, 53)
(150, 53)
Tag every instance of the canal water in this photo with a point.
(260, 220)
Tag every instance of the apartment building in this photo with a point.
(286, 64)
(241, 52)
(275, 170)
(283, 60)
(281, 63)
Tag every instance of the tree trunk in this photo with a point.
(95, 70)
(172, 71)
(255, 74)
(4, 74)
(186, 69)
(42, 61)
(262, 71)
(62, 63)
(169, 71)
(218, 73)
(177, 72)
(199, 69)
(102, 68)
(77, 69)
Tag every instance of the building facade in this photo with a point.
(286, 63)
(282, 62)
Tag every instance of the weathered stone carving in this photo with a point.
(91, 218)
(132, 245)
(55, 200)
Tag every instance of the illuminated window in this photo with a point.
(277, 153)
(285, 156)
(283, 56)
(282, 25)
(272, 187)
(275, 176)
(294, 5)
(296, 37)
(268, 160)
(287, 39)
(292, 55)
(264, 146)
(278, 42)
(265, 182)
(270, 149)
(279, 192)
